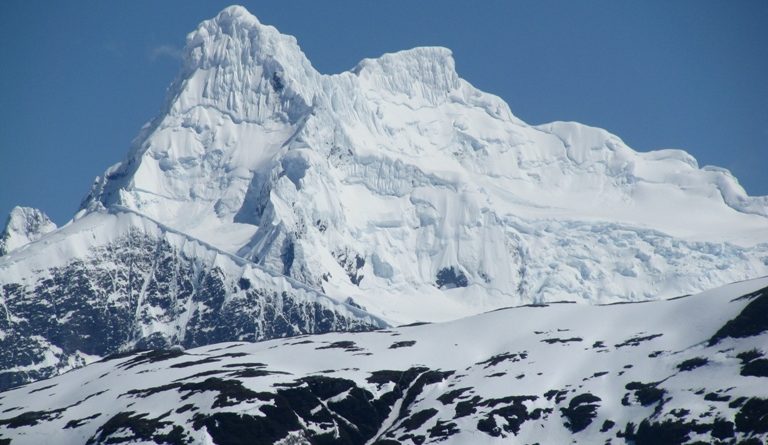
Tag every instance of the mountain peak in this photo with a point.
(402, 186)
(245, 69)
(24, 225)
(236, 35)
(422, 72)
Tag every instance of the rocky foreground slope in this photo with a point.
(688, 370)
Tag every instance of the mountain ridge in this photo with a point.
(116, 281)
(375, 182)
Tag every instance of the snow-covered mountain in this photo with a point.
(269, 200)
(399, 184)
(24, 225)
(688, 370)
(118, 281)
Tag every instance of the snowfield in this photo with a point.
(676, 371)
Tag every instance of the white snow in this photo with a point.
(404, 164)
(24, 225)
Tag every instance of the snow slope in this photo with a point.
(117, 281)
(685, 370)
(402, 186)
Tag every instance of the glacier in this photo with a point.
(401, 186)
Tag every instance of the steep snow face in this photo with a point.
(24, 225)
(402, 186)
(243, 90)
(690, 370)
(118, 281)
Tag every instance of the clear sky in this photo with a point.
(78, 79)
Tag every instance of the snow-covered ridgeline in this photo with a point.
(118, 281)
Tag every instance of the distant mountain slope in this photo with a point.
(24, 225)
(688, 370)
(112, 282)
(401, 185)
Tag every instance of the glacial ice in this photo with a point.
(405, 164)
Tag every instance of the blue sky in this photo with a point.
(78, 79)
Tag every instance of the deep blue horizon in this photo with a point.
(79, 82)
